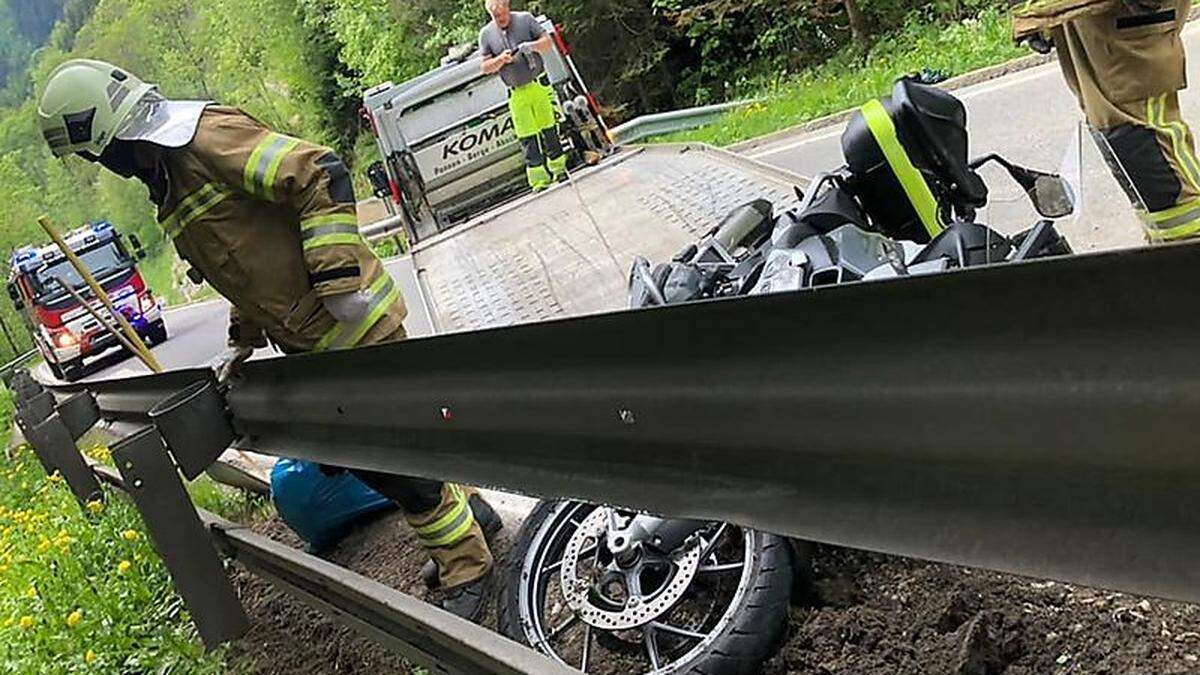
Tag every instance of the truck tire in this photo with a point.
(72, 370)
(738, 639)
(157, 333)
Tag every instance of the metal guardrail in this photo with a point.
(423, 634)
(381, 229)
(1037, 418)
(188, 538)
(658, 124)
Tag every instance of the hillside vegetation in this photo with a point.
(301, 65)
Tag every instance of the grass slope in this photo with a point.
(850, 78)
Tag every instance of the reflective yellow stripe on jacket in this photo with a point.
(452, 527)
(263, 166)
(331, 230)
(383, 294)
(193, 206)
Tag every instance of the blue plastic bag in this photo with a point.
(321, 508)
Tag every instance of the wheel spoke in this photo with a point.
(582, 554)
(648, 637)
(587, 647)
(682, 632)
(562, 627)
(721, 567)
(712, 543)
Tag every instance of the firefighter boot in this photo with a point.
(456, 543)
(489, 521)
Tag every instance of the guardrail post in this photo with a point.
(179, 537)
(33, 410)
(22, 384)
(55, 447)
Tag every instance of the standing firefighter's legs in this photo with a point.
(532, 107)
(1126, 66)
(442, 517)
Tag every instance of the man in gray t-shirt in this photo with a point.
(512, 45)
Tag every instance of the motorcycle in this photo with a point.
(669, 595)
(868, 220)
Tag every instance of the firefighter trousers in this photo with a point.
(1126, 67)
(532, 108)
(440, 514)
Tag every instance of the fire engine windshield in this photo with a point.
(101, 261)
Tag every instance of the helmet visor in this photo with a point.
(170, 124)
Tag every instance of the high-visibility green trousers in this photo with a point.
(532, 108)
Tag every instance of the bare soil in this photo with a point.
(858, 613)
(871, 613)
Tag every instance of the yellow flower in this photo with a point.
(124, 566)
(26, 622)
(90, 657)
(74, 618)
(130, 535)
(55, 477)
(94, 507)
(31, 593)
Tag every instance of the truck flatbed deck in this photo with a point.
(542, 257)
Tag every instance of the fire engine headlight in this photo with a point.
(66, 339)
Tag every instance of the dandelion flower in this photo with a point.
(89, 657)
(55, 477)
(130, 535)
(74, 618)
(26, 622)
(31, 593)
(95, 506)
(124, 566)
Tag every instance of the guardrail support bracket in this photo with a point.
(196, 426)
(80, 413)
(179, 537)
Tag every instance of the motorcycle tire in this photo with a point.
(748, 633)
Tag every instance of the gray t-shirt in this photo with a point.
(522, 27)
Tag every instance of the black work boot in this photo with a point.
(470, 601)
(489, 521)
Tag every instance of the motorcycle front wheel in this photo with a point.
(716, 606)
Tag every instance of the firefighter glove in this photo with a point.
(227, 364)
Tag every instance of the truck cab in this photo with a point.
(448, 143)
(63, 330)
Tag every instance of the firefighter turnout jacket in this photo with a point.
(269, 221)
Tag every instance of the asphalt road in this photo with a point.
(1030, 117)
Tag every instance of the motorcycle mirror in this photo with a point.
(1050, 193)
(1052, 196)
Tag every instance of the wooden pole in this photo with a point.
(154, 367)
(135, 340)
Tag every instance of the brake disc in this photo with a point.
(637, 610)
